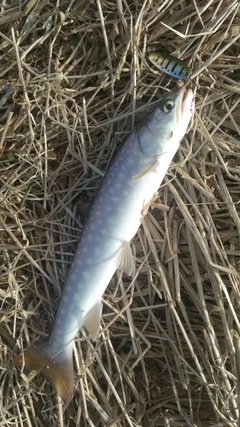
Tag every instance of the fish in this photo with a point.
(105, 245)
(171, 65)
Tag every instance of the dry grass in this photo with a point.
(74, 79)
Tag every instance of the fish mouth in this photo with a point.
(185, 103)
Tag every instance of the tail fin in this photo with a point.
(58, 368)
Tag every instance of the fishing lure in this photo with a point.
(170, 64)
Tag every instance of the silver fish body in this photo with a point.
(122, 199)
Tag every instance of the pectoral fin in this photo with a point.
(150, 168)
(92, 321)
(125, 259)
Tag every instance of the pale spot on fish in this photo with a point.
(118, 186)
(115, 199)
(85, 274)
(79, 262)
(65, 298)
(62, 311)
(80, 286)
(110, 220)
(76, 297)
(125, 193)
(109, 208)
(103, 232)
(121, 208)
(84, 250)
(96, 250)
(58, 333)
(89, 261)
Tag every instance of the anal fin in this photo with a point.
(125, 259)
(92, 320)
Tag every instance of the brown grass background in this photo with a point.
(74, 78)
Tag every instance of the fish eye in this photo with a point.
(168, 106)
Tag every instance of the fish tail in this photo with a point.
(58, 368)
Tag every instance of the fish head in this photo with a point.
(168, 123)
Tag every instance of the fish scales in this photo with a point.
(115, 216)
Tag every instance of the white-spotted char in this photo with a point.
(125, 193)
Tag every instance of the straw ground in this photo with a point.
(74, 80)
